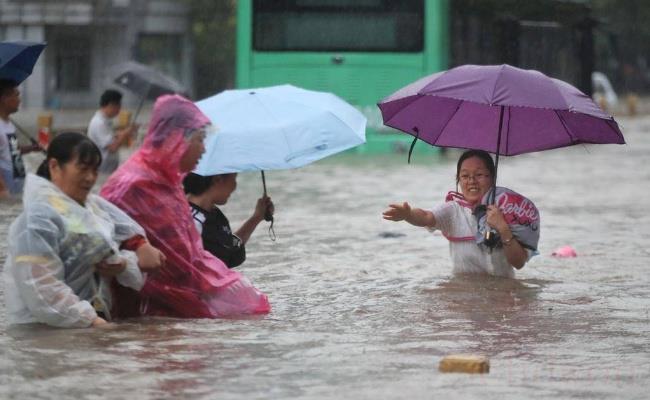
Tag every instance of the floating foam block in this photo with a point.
(467, 363)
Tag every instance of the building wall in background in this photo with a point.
(85, 38)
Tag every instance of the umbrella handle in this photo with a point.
(140, 104)
(417, 136)
(492, 238)
(263, 182)
(267, 214)
(28, 136)
(137, 110)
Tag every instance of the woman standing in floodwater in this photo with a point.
(466, 216)
(192, 283)
(67, 245)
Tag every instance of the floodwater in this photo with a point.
(366, 308)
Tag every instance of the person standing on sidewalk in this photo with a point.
(102, 132)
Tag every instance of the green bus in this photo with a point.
(361, 50)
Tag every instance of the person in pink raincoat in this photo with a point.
(148, 187)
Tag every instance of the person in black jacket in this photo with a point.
(205, 193)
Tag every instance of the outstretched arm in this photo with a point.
(414, 216)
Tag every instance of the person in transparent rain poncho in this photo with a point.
(148, 186)
(68, 246)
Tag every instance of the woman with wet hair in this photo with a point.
(205, 194)
(149, 187)
(491, 230)
(68, 245)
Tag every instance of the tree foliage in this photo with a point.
(213, 25)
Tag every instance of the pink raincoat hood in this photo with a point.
(174, 119)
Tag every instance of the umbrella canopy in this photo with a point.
(498, 108)
(276, 127)
(144, 80)
(17, 59)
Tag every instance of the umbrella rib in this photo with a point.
(344, 123)
(401, 109)
(284, 134)
(507, 136)
(616, 131)
(561, 93)
(433, 142)
(566, 128)
(496, 81)
(336, 116)
(449, 120)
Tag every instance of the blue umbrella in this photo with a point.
(277, 127)
(17, 59)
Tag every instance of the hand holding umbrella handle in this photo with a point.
(268, 215)
(491, 238)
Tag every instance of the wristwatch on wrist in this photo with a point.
(507, 242)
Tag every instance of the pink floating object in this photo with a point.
(565, 252)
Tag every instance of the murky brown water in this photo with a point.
(365, 308)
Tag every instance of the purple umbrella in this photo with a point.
(497, 108)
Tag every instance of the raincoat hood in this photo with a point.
(173, 120)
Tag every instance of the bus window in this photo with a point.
(338, 25)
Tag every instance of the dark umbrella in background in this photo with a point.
(145, 81)
(17, 61)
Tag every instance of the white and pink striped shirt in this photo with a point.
(457, 223)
